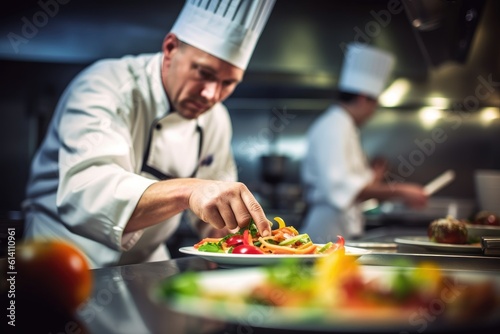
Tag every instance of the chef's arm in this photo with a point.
(411, 194)
(222, 204)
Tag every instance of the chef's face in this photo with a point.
(369, 106)
(195, 80)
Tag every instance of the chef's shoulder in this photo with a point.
(120, 74)
(331, 122)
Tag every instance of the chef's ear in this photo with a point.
(170, 44)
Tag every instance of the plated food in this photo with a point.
(455, 231)
(448, 230)
(335, 291)
(229, 260)
(283, 240)
(445, 235)
(486, 218)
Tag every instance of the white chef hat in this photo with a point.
(365, 70)
(226, 29)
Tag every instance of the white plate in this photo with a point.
(436, 246)
(260, 259)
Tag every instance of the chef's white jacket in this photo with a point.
(334, 171)
(112, 135)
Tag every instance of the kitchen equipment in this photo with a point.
(487, 183)
(273, 168)
(273, 173)
(476, 231)
(430, 188)
(439, 182)
(490, 245)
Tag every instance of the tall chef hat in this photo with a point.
(227, 29)
(365, 70)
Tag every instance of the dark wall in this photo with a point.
(28, 94)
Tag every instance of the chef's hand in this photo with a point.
(227, 205)
(413, 195)
(379, 167)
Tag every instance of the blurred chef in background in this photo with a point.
(335, 173)
(136, 141)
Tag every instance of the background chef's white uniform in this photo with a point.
(87, 175)
(335, 168)
(334, 171)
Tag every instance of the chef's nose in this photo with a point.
(210, 90)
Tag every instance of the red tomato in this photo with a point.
(235, 240)
(53, 273)
(246, 249)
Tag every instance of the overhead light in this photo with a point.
(488, 114)
(438, 102)
(395, 93)
(430, 115)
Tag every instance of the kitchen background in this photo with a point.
(440, 112)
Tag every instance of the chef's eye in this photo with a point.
(229, 83)
(203, 74)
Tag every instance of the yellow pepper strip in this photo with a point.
(280, 221)
(276, 249)
(333, 270)
(306, 245)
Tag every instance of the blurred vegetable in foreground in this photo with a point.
(335, 290)
(53, 273)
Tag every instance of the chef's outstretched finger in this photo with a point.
(258, 215)
(262, 223)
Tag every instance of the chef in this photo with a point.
(336, 174)
(137, 141)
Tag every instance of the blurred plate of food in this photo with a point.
(484, 224)
(425, 242)
(336, 294)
